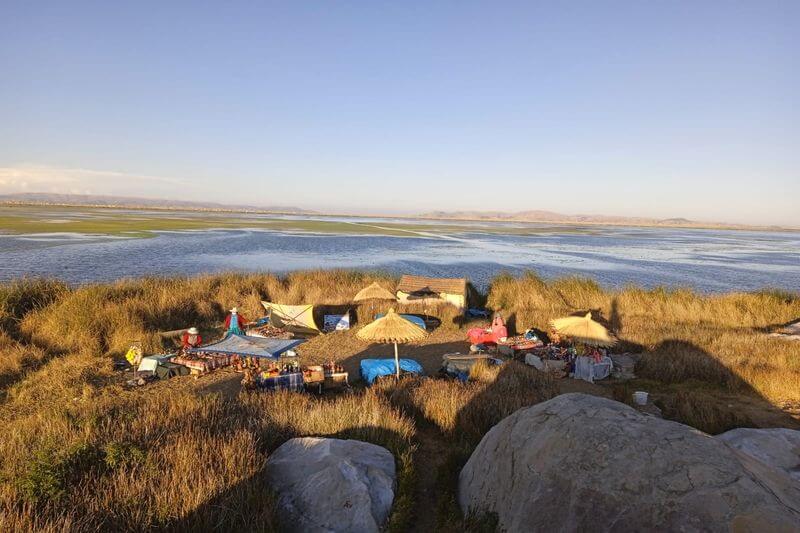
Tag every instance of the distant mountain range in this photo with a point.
(83, 200)
(560, 218)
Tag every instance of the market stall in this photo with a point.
(266, 357)
(583, 354)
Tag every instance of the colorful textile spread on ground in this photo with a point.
(202, 362)
(290, 382)
(269, 331)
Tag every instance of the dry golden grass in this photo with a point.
(713, 338)
(89, 455)
(16, 359)
(81, 453)
(466, 411)
(703, 411)
(104, 319)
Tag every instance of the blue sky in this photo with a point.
(643, 108)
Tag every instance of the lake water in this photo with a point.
(707, 260)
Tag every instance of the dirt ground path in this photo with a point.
(429, 457)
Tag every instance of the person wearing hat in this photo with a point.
(235, 322)
(191, 338)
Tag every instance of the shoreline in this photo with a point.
(511, 219)
(481, 290)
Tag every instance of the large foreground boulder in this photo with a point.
(332, 484)
(776, 447)
(583, 463)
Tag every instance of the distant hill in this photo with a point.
(86, 200)
(560, 218)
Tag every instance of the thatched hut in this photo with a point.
(421, 289)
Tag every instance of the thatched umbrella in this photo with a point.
(372, 293)
(394, 329)
(583, 329)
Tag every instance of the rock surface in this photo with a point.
(775, 447)
(327, 485)
(579, 462)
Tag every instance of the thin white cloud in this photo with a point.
(67, 180)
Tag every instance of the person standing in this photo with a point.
(234, 323)
(499, 330)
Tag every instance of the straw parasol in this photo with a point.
(394, 329)
(373, 292)
(583, 329)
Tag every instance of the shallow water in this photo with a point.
(707, 260)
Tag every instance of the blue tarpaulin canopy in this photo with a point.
(374, 368)
(249, 346)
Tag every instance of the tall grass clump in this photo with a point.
(91, 455)
(16, 359)
(702, 411)
(103, 319)
(18, 298)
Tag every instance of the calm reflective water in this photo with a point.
(708, 260)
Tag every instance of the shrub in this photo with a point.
(51, 469)
(120, 453)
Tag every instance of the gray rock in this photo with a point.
(583, 463)
(331, 485)
(649, 409)
(775, 447)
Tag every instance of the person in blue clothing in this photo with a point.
(234, 323)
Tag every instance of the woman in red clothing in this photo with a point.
(191, 338)
(499, 330)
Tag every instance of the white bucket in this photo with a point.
(640, 398)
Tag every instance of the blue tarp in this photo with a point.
(249, 346)
(411, 318)
(374, 368)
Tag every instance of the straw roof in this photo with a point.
(583, 329)
(374, 292)
(421, 284)
(391, 328)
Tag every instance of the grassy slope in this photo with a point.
(80, 452)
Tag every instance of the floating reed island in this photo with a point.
(81, 451)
